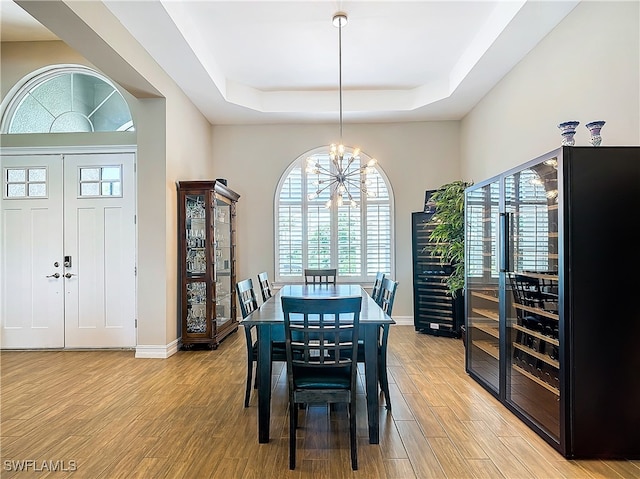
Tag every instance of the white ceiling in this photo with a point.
(269, 61)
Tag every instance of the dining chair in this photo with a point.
(385, 301)
(387, 295)
(321, 341)
(377, 286)
(265, 285)
(320, 276)
(248, 304)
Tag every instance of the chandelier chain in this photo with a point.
(340, 73)
(341, 177)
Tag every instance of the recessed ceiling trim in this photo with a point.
(178, 35)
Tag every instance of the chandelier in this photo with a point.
(345, 174)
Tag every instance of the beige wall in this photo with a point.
(586, 69)
(173, 140)
(414, 156)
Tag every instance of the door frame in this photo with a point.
(91, 149)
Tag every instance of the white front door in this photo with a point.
(81, 233)
(99, 224)
(32, 292)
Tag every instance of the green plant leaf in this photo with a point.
(447, 237)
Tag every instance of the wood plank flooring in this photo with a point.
(106, 415)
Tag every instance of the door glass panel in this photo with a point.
(25, 182)
(89, 189)
(532, 346)
(16, 191)
(102, 181)
(111, 173)
(483, 332)
(89, 174)
(37, 174)
(111, 188)
(37, 189)
(15, 175)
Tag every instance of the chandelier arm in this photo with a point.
(356, 185)
(349, 195)
(353, 173)
(328, 185)
(351, 160)
(323, 170)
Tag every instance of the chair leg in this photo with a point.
(384, 381)
(293, 420)
(382, 367)
(247, 394)
(352, 434)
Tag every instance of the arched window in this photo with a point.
(357, 240)
(66, 99)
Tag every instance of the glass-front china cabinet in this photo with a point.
(206, 242)
(551, 329)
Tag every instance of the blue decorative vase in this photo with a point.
(568, 130)
(594, 128)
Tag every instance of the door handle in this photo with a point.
(54, 275)
(68, 275)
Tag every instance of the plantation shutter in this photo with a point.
(356, 241)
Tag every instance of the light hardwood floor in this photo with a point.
(108, 415)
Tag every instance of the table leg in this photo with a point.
(371, 379)
(263, 374)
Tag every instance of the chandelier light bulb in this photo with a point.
(552, 194)
(536, 181)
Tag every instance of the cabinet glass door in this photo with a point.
(222, 261)
(196, 264)
(531, 285)
(483, 332)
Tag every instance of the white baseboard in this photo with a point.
(403, 320)
(157, 352)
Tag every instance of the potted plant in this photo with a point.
(448, 233)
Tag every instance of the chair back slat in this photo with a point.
(377, 287)
(388, 295)
(246, 297)
(320, 276)
(265, 285)
(321, 332)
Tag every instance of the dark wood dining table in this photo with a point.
(269, 320)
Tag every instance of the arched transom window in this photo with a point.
(356, 240)
(66, 100)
